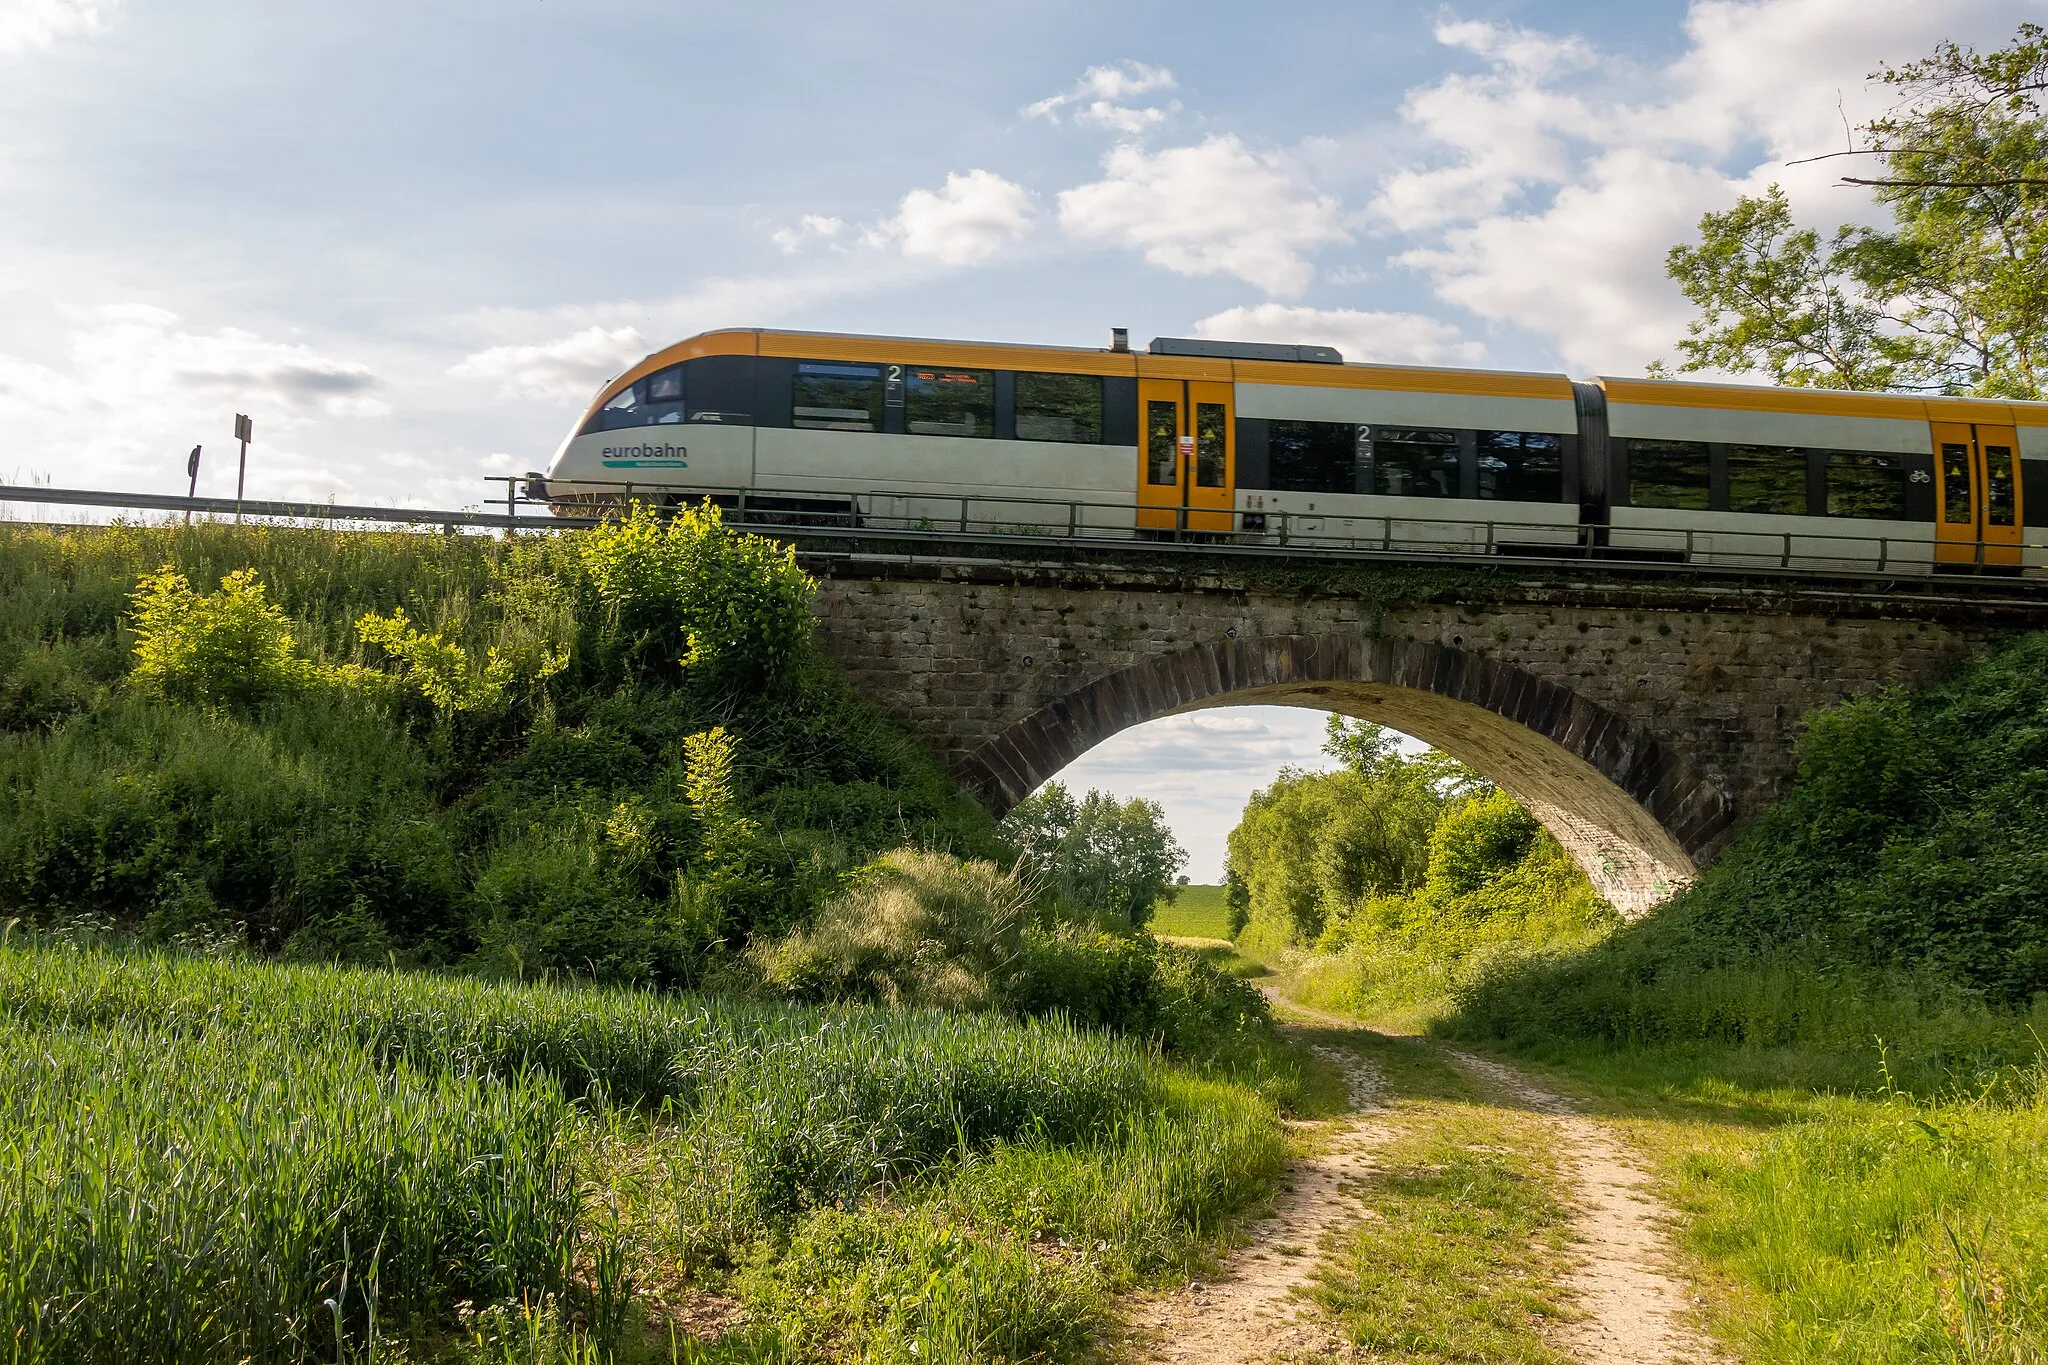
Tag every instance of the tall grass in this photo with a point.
(203, 1198)
(197, 1150)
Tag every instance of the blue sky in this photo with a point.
(411, 239)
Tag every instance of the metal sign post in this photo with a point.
(245, 432)
(192, 469)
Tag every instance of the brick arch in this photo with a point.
(1634, 813)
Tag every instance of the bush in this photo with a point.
(686, 594)
(912, 928)
(438, 748)
(231, 648)
(1905, 862)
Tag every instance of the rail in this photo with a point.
(957, 522)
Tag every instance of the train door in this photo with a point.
(1187, 462)
(1978, 467)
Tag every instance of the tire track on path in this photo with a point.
(1635, 1310)
(1251, 1310)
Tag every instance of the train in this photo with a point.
(1290, 447)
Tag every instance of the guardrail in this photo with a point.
(1838, 549)
(963, 523)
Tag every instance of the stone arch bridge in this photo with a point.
(1641, 719)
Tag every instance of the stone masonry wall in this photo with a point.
(1718, 675)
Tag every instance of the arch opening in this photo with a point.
(1631, 811)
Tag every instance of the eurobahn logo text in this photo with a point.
(645, 457)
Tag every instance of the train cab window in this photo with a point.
(1768, 479)
(949, 402)
(1521, 466)
(1999, 499)
(624, 409)
(1059, 407)
(1312, 457)
(1867, 485)
(828, 397)
(1405, 463)
(1669, 474)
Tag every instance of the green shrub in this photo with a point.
(684, 593)
(913, 928)
(1904, 865)
(230, 648)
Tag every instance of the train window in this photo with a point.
(1521, 466)
(1768, 479)
(1866, 485)
(666, 386)
(827, 397)
(949, 402)
(1668, 474)
(1404, 463)
(1312, 457)
(1162, 443)
(1956, 509)
(1999, 500)
(1059, 407)
(1212, 446)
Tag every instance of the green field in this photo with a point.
(1197, 912)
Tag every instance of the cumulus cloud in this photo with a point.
(27, 25)
(568, 367)
(964, 222)
(1552, 182)
(1101, 98)
(813, 228)
(1400, 338)
(1215, 208)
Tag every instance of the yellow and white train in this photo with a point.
(1289, 446)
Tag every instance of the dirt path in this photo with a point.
(1250, 1311)
(1635, 1309)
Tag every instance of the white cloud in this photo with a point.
(140, 389)
(1215, 208)
(568, 367)
(964, 222)
(1398, 338)
(1555, 180)
(29, 24)
(813, 228)
(1099, 96)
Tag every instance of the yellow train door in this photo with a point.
(1979, 521)
(1187, 456)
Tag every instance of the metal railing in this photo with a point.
(960, 524)
(1838, 549)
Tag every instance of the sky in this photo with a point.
(412, 239)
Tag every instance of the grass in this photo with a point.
(202, 1151)
(1833, 1216)
(1197, 912)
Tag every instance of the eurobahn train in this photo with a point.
(1290, 446)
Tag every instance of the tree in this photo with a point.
(1953, 298)
(1117, 857)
